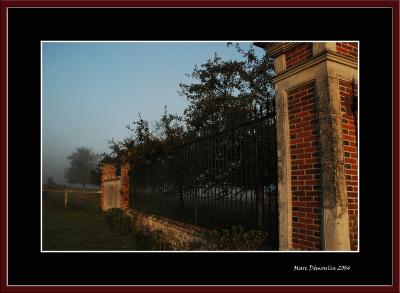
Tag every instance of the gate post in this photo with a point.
(316, 144)
(124, 185)
(107, 172)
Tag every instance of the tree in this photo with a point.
(227, 93)
(223, 94)
(50, 181)
(82, 164)
(149, 142)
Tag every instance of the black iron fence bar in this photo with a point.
(216, 181)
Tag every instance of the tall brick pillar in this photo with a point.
(316, 86)
(125, 168)
(109, 172)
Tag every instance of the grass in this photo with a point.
(80, 226)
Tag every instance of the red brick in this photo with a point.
(299, 236)
(313, 216)
(304, 136)
(347, 49)
(350, 147)
(313, 204)
(298, 54)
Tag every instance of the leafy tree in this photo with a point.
(149, 142)
(227, 93)
(82, 164)
(170, 128)
(223, 94)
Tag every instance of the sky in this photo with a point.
(92, 91)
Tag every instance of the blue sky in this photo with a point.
(91, 91)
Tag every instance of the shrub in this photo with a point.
(118, 220)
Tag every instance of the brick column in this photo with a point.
(124, 200)
(316, 142)
(108, 172)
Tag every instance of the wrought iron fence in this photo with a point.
(217, 181)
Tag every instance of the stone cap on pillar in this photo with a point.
(295, 56)
(277, 51)
(274, 49)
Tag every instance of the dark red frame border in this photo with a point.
(197, 3)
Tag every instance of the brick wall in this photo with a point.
(349, 128)
(298, 54)
(109, 172)
(306, 168)
(349, 49)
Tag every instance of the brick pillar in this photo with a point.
(316, 143)
(124, 200)
(108, 172)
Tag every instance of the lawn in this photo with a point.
(80, 226)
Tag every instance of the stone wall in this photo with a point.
(179, 235)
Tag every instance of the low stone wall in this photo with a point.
(180, 235)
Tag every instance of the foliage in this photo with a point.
(168, 132)
(235, 238)
(82, 162)
(170, 128)
(118, 220)
(223, 94)
(228, 93)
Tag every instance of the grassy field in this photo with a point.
(80, 226)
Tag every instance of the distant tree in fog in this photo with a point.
(82, 163)
(50, 181)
